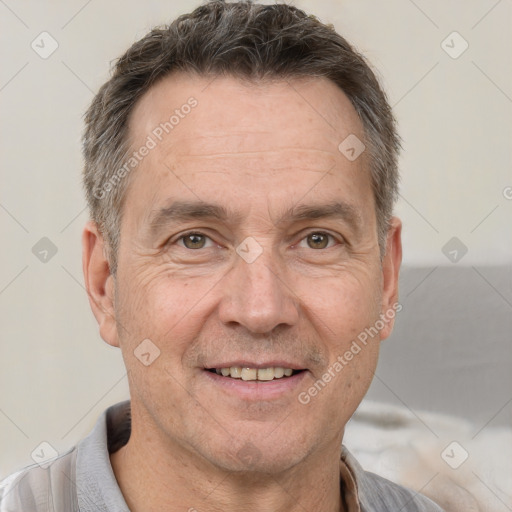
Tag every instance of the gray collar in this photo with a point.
(97, 488)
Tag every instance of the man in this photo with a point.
(240, 167)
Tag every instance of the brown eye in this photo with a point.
(318, 240)
(194, 240)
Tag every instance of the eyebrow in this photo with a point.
(184, 211)
(336, 210)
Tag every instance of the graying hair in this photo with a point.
(245, 40)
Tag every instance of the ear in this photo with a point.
(99, 282)
(390, 272)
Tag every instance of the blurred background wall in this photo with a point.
(447, 69)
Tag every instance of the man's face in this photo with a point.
(282, 270)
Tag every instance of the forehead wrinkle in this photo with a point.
(254, 172)
(188, 210)
(300, 160)
(298, 152)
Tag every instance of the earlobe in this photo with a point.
(390, 273)
(99, 282)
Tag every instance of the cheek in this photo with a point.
(341, 316)
(156, 306)
(159, 323)
(343, 306)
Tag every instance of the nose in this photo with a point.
(258, 296)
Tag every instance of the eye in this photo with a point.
(317, 240)
(193, 240)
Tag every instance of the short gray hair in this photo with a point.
(241, 39)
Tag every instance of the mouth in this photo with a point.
(247, 373)
(276, 381)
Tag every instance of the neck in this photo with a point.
(156, 474)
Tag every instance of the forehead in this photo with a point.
(271, 139)
(325, 112)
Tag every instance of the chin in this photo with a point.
(250, 454)
(251, 460)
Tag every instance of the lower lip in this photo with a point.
(255, 390)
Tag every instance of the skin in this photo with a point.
(256, 149)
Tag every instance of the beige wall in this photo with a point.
(56, 375)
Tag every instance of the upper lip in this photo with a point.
(259, 365)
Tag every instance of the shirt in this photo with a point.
(82, 479)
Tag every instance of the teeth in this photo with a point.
(263, 374)
(278, 372)
(236, 372)
(248, 373)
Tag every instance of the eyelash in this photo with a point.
(184, 235)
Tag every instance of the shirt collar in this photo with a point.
(349, 472)
(97, 488)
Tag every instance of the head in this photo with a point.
(241, 170)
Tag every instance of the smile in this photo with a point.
(252, 374)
